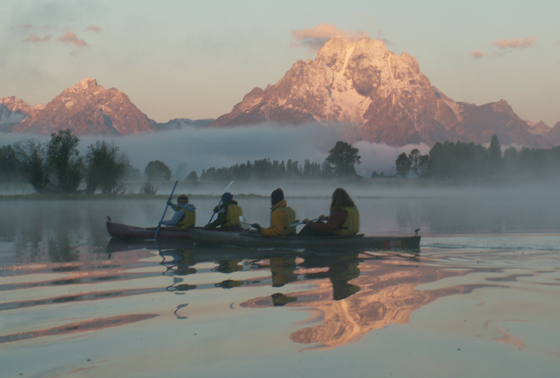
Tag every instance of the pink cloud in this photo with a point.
(515, 43)
(95, 28)
(72, 38)
(35, 38)
(315, 38)
(477, 54)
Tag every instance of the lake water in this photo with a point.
(481, 299)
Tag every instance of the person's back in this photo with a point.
(229, 214)
(351, 225)
(281, 217)
(185, 213)
(343, 219)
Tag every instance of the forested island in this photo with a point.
(56, 167)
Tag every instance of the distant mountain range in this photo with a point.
(383, 96)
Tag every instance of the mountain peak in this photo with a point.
(88, 109)
(87, 83)
(360, 82)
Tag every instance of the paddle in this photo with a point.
(164, 211)
(297, 223)
(245, 222)
(219, 203)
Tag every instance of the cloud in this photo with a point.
(477, 54)
(515, 43)
(27, 27)
(315, 38)
(558, 41)
(72, 38)
(95, 28)
(36, 39)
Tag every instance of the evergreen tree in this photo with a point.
(342, 158)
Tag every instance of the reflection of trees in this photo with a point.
(54, 230)
(387, 295)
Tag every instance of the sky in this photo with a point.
(197, 59)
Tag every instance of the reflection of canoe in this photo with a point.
(254, 240)
(124, 231)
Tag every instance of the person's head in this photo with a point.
(276, 196)
(341, 199)
(227, 197)
(183, 198)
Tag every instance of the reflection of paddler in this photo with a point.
(342, 269)
(184, 265)
(229, 266)
(282, 269)
(229, 284)
(279, 299)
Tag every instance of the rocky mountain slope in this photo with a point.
(386, 95)
(87, 109)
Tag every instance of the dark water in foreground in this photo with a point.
(480, 300)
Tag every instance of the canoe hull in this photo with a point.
(123, 231)
(357, 242)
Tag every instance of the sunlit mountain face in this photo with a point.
(363, 83)
(88, 109)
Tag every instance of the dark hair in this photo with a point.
(341, 199)
(227, 197)
(277, 196)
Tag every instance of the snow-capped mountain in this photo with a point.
(88, 109)
(363, 83)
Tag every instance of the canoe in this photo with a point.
(355, 242)
(123, 231)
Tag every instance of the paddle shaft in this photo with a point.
(165, 211)
(219, 203)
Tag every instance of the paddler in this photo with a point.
(228, 213)
(281, 216)
(185, 213)
(344, 218)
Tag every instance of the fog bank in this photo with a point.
(194, 149)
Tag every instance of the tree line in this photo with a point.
(57, 167)
(339, 163)
(473, 161)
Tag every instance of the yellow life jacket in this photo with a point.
(288, 220)
(233, 213)
(189, 219)
(352, 224)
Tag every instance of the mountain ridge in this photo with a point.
(386, 95)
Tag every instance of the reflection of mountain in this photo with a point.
(387, 295)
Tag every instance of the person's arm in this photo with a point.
(175, 219)
(277, 219)
(334, 221)
(220, 219)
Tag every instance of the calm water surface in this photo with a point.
(480, 300)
